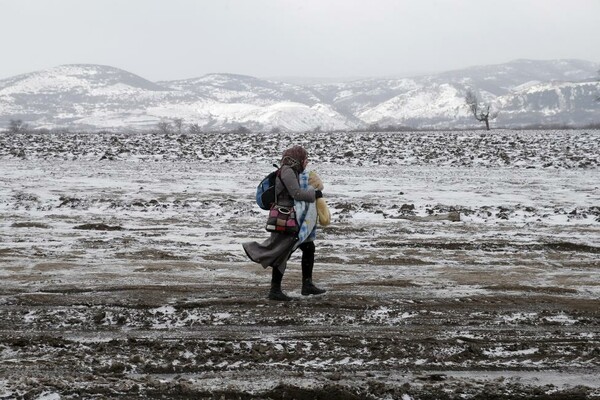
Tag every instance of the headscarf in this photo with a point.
(294, 157)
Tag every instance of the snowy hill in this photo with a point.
(570, 103)
(82, 96)
(437, 101)
(525, 92)
(231, 88)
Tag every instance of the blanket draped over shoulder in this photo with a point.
(306, 214)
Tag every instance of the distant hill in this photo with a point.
(525, 92)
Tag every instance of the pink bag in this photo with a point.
(282, 219)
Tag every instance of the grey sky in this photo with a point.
(174, 39)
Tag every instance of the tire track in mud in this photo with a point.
(152, 349)
(496, 246)
(155, 340)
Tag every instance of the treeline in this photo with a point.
(179, 127)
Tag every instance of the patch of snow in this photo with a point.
(48, 396)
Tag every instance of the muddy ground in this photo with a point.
(206, 334)
(126, 279)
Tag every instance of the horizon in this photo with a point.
(306, 78)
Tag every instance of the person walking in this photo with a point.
(277, 249)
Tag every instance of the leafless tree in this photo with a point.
(178, 122)
(164, 127)
(598, 97)
(242, 129)
(374, 128)
(195, 129)
(481, 112)
(16, 126)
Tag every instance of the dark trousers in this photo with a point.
(308, 261)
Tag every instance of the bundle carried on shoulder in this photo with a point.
(323, 212)
(322, 209)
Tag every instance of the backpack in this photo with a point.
(265, 192)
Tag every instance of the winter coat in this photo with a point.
(287, 188)
(277, 249)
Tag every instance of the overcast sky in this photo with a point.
(175, 39)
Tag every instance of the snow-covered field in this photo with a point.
(122, 272)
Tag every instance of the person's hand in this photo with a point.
(315, 181)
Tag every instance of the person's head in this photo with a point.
(296, 157)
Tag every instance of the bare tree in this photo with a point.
(242, 129)
(16, 126)
(178, 122)
(598, 97)
(164, 127)
(195, 129)
(481, 112)
(374, 128)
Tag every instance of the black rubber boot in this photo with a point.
(308, 261)
(309, 288)
(275, 293)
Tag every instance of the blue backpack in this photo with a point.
(265, 192)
